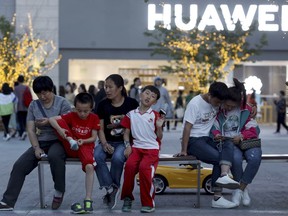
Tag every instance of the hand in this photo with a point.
(236, 140)
(160, 121)
(128, 151)
(41, 121)
(218, 137)
(38, 151)
(62, 133)
(80, 142)
(180, 154)
(108, 148)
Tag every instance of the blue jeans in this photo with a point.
(206, 150)
(253, 159)
(106, 178)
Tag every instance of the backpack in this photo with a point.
(27, 97)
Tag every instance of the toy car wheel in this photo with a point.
(160, 184)
(207, 185)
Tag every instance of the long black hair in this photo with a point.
(119, 81)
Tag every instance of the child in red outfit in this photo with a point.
(78, 132)
(145, 126)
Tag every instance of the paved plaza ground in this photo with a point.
(268, 191)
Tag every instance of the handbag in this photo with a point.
(250, 143)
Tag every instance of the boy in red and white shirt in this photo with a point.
(78, 132)
(145, 127)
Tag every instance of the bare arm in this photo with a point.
(105, 145)
(126, 137)
(33, 138)
(185, 139)
(53, 122)
(90, 139)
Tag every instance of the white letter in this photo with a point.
(153, 16)
(284, 18)
(264, 17)
(210, 18)
(238, 15)
(179, 17)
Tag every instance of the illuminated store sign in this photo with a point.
(269, 17)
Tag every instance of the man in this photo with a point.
(21, 114)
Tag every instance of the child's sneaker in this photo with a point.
(77, 208)
(127, 205)
(73, 145)
(147, 209)
(246, 198)
(88, 206)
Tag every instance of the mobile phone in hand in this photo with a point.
(162, 112)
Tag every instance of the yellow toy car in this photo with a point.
(184, 176)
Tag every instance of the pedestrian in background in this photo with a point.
(82, 88)
(281, 112)
(111, 110)
(21, 107)
(8, 102)
(135, 90)
(179, 109)
(164, 101)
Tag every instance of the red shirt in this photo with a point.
(82, 128)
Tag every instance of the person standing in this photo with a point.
(199, 118)
(135, 89)
(43, 139)
(146, 129)
(164, 101)
(7, 106)
(281, 112)
(111, 143)
(21, 114)
(179, 109)
(101, 94)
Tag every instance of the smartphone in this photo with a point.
(162, 112)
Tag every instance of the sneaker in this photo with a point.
(113, 198)
(127, 205)
(227, 182)
(77, 208)
(7, 137)
(237, 196)
(23, 137)
(223, 203)
(73, 145)
(246, 198)
(88, 206)
(106, 198)
(5, 207)
(147, 209)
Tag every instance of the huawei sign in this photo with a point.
(269, 17)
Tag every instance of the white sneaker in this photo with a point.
(7, 137)
(246, 198)
(223, 203)
(23, 137)
(227, 182)
(237, 196)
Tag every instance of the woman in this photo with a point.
(234, 121)
(7, 103)
(111, 144)
(69, 93)
(82, 88)
(43, 139)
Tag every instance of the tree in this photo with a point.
(202, 57)
(23, 54)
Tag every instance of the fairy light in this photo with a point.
(25, 55)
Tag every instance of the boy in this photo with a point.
(78, 131)
(145, 126)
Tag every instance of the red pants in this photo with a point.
(85, 152)
(144, 161)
